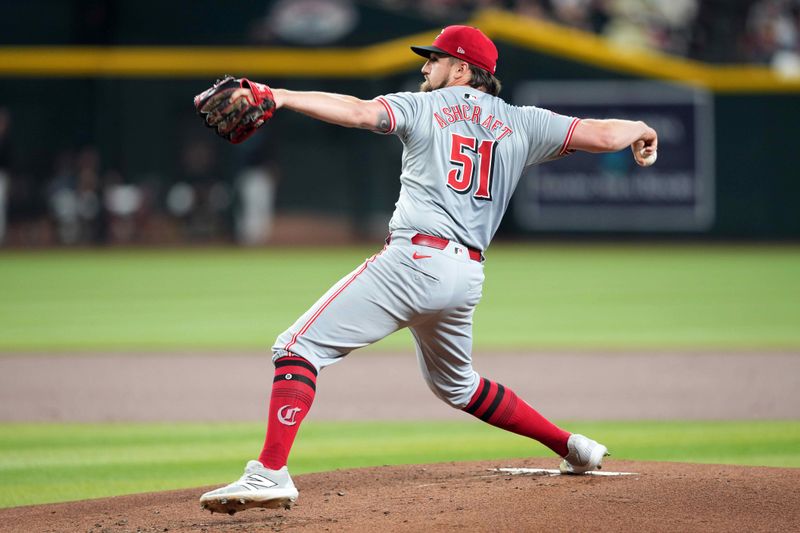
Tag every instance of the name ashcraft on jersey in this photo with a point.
(469, 113)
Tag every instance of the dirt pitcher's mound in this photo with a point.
(465, 497)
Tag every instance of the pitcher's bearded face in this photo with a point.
(437, 73)
(426, 86)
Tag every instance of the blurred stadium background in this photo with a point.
(99, 144)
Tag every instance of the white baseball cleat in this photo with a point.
(258, 487)
(584, 455)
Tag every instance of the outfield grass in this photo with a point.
(57, 462)
(595, 297)
(576, 296)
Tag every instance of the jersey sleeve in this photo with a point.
(549, 135)
(403, 110)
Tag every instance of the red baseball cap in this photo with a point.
(466, 43)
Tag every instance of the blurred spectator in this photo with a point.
(88, 189)
(61, 198)
(771, 37)
(573, 13)
(200, 198)
(629, 25)
(255, 187)
(532, 8)
(655, 24)
(122, 203)
(73, 195)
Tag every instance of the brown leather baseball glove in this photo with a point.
(235, 108)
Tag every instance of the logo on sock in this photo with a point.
(287, 415)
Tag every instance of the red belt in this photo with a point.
(440, 244)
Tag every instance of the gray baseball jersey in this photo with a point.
(464, 152)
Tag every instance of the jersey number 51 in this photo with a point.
(467, 154)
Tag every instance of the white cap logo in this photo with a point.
(461, 50)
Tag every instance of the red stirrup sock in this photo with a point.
(500, 407)
(293, 391)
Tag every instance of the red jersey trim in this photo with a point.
(331, 298)
(564, 150)
(392, 120)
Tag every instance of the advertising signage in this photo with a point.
(609, 192)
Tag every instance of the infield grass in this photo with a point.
(535, 296)
(42, 463)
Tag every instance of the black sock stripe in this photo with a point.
(501, 391)
(296, 377)
(295, 361)
(485, 392)
(307, 398)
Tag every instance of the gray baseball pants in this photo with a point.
(430, 291)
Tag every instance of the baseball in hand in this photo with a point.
(648, 160)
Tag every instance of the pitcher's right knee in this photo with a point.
(454, 392)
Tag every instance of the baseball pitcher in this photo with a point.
(464, 150)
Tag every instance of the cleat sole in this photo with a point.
(241, 504)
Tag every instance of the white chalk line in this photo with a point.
(535, 472)
(554, 472)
